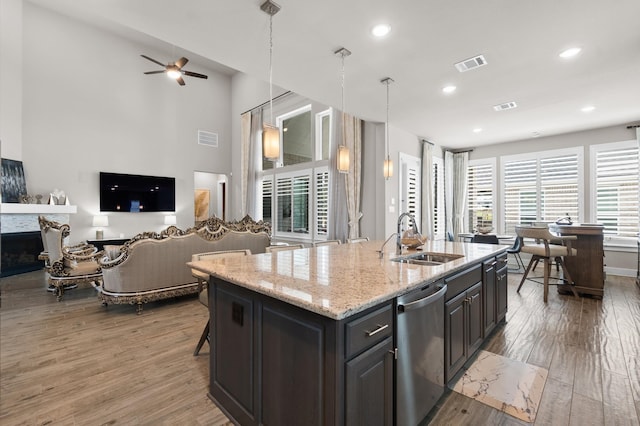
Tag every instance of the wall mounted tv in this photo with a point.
(136, 193)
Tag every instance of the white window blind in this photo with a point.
(520, 193)
(480, 194)
(616, 188)
(322, 202)
(292, 204)
(438, 199)
(559, 187)
(410, 183)
(541, 187)
(267, 199)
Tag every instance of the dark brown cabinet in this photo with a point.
(276, 364)
(464, 325)
(369, 385)
(501, 288)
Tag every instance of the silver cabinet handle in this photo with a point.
(377, 330)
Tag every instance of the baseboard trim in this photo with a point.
(623, 272)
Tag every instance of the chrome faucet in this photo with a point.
(381, 251)
(412, 222)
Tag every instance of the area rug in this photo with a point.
(511, 386)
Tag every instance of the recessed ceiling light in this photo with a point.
(588, 108)
(477, 130)
(569, 53)
(381, 30)
(449, 89)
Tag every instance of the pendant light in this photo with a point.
(388, 164)
(270, 133)
(343, 151)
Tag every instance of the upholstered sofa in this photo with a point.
(152, 266)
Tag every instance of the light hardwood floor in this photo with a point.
(77, 363)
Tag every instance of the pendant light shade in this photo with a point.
(343, 159)
(388, 168)
(270, 142)
(270, 133)
(343, 150)
(388, 164)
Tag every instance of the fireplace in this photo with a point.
(20, 252)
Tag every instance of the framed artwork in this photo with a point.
(13, 182)
(201, 204)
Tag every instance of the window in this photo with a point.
(292, 203)
(615, 181)
(295, 193)
(480, 193)
(542, 186)
(439, 225)
(410, 183)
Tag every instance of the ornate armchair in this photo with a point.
(82, 248)
(69, 266)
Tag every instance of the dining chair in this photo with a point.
(358, 240)
(541, 248)
(515, 251)
(203, 279)
(485, 239)
(326, 243)
(272, 249)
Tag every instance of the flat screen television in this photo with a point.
(136, 193)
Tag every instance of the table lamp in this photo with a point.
(100, 222)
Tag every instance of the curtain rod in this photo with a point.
(459, 151)
(429, 142)
(633, 126)
(288, 92)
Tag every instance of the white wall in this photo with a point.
(11, 79)
(88, 107)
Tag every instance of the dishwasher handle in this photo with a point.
(416, 304)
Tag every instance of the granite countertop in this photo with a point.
(338, 281)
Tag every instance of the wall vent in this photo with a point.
(506, 105)
(207, 138)
(471, 63)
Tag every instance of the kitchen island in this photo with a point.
(309, 336)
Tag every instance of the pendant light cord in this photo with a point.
(387, 126)
(271, 69)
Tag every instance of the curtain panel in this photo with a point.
(455, 169)
(352, 136)
(427, 190)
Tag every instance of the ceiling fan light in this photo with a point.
(174, 74)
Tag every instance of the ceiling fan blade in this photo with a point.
(181, 62)
(180, 81)
(154, 72)
(194, 74)
(153, 60)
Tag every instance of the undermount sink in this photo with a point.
(427, 259)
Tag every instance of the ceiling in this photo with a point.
(519, 39)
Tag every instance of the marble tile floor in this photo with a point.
(511, 386)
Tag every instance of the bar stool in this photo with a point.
(542, 249)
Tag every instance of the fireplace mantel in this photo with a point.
(18, 208)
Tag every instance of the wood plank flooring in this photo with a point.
(77, 363)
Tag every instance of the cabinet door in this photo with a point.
(369, 384)
(455, 349)
(501, 294)
(476, 331)
(489, 290)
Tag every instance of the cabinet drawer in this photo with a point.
(458, 283)
(368, 330)
(502, 261)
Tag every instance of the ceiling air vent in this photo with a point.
(471, 63)
(207, 138)
(506, 105)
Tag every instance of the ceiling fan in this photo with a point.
(174, 70)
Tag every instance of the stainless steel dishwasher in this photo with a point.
(420, 342)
